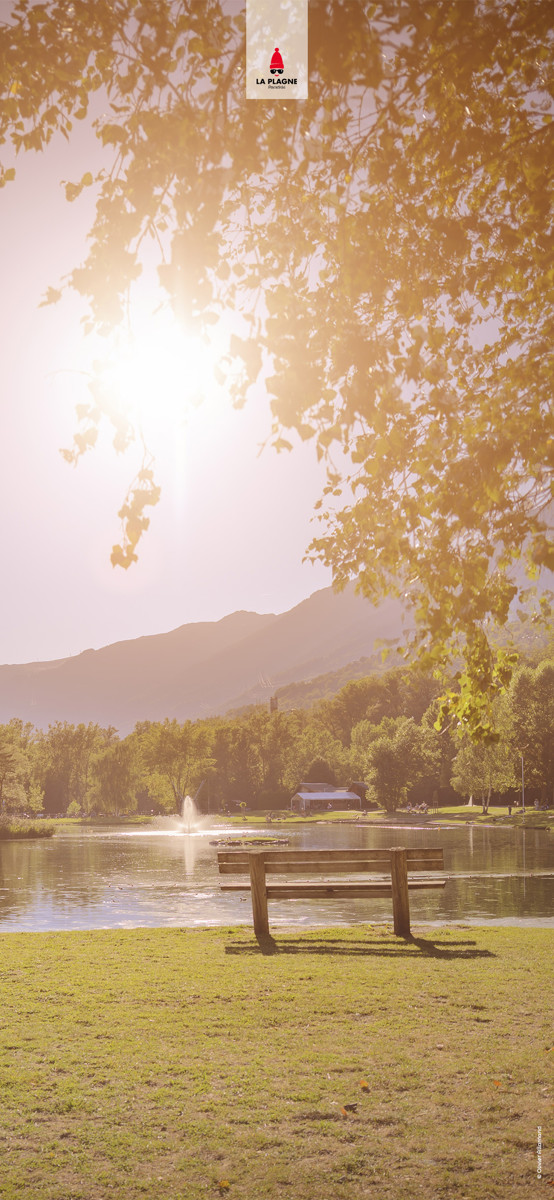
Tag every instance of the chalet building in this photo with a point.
(322, 797)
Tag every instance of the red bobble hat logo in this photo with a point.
(276, 67)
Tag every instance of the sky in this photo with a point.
(233, 524)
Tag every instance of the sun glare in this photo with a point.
(162, 372)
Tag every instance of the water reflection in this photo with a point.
(114, 877)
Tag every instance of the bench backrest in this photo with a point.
(309, 862)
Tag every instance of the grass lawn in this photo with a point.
(185, 1064)
(259, 817)
(460, 814)
(102, 819)
(16, 828)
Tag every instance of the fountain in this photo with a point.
(189, 814)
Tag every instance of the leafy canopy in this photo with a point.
(387, 244)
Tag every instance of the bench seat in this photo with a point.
(298, 890)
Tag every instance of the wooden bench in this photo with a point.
(395, 862)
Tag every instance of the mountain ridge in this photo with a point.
(199, 669)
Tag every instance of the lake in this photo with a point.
(123, 877)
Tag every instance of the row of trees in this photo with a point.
(380, 729)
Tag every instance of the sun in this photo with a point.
(156, 375)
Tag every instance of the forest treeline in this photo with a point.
(380, 729)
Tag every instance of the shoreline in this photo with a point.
(533, 820)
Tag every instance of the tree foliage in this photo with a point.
(66, 756)
(116, 778)
(258, 759)
(387, 245)
(480, 769)
(400, 755)
(12, 771)
(175, 759)
(532, 697)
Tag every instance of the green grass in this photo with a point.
(20, 827)
(531, 820)
(286, 817)
(495, 816)
(187, 1064)
(459, 814)
(104, 819)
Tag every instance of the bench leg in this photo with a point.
(258, 893)
(400, 894)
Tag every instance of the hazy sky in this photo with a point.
(231, 528)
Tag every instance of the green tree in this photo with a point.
(274, 735)
(175, 759)
(400, 755)
(21, 786)
(532, 703)
(251, 755)
(388, 245)
(243, 767)
(372, 698)
(480, 769)
(361, 737)
(219, 776)
(64, 764)
(116, 778)
(315, 745)
(447, 747)
(396, 693)
(13, 765)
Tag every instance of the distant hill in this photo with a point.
(323, 687)
(201, 669)
(308, 692)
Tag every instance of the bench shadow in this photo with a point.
(393, 947)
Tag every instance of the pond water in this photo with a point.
(117, 877)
